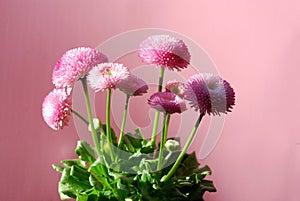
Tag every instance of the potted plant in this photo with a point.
(128, 166)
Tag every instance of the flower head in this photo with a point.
(75, 64)
(107, 76)
(166, 51)
(56, 109)
(176, 87)
(210, 94)
(133, 86)
(167, 102)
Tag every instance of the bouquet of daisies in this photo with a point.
(128, 166)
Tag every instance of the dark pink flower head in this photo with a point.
(75, 64)
(167, 102)
(133, 86)
(107, 76)
(210, 94)
(166, 51)
(56, 109)
(176, 87)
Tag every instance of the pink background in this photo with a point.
(254, 43)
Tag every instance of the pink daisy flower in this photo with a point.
(167, 102)
(175, 87)
(56, 109)
(210, 94)
(133, 86)
(107, 76)
(166, 51)
(75, 64)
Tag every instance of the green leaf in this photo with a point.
(203, 172)
(89, 195)
(120, 190)
(132, 142)
(98, 168)
(76, 177)
(76, 162)
(57, 168)
(147, 147)
(65, 191)
(188, 165)
(207, 185)
(85, 152)
(73, 181)
(135, 142)
(99, 174)
(148, 165)
(80, 174)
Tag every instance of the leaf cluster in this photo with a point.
(133, 176)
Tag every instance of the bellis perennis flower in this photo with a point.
(210, 94)
(56, 109)
(107, 76)
(133, 86)
(75, 64)
(176, 87)
(166, 51)
(167, 102)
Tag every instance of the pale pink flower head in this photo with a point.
(209, 93)
(56, 109)
(133, 86)
(107, 76)
(75, 64)
(166, 51)
(167, 102)
(176, 87)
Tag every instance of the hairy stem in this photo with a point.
(108, 128)
(90, 116)
(80, 116)
(156, 119)
(123, 121)
(166, 121)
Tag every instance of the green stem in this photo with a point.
(123, 121)
(185, 148)
(80, 116)
(161, 78)
(166, 129)
(89, 111)
(93, 130)
(139, 132)
(108, 128)
(155, 126)
(166, 121)
(167, 126)
(156, 119)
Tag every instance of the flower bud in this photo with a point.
(172, 145)
(96, 122)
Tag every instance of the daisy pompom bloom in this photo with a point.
(167, 102)
(176, 87)
(166, 51)
(75, 64)
(133, 86)
(210, 94)
(56, 109)
(107, 76)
